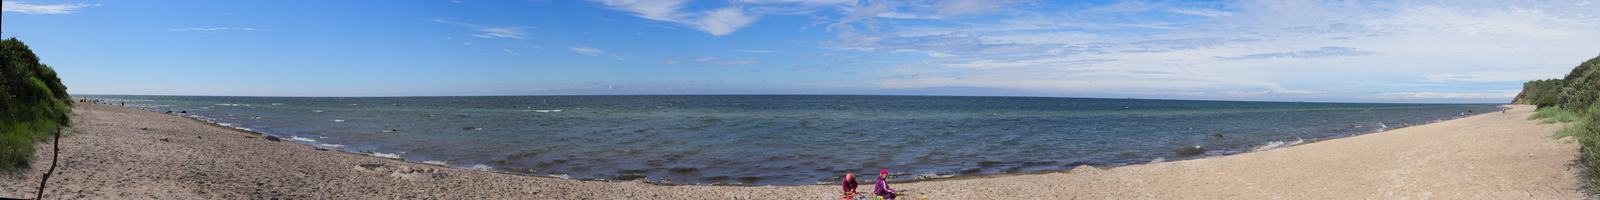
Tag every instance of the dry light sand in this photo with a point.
(1489, 156)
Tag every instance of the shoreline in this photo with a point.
(1229, 146)
(396, 178)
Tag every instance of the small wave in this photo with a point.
(1381, 126)
(546, 111)
(316, 110)
(277, 104)
(226, 124)
(387, 155)
(1278, 144)
(562, 176)
(298, 138)
(243, 128)
(480, 167)
(331, 145)
(338, 120)
(436, 162)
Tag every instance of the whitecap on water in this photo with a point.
(331, 145)
(1278, 144)
(480, 167)
(387, 155)
(338, 120)
(562, 176)
(436, 162)
(298, 138)
(316, 110)
(546, 111)
(225, 124)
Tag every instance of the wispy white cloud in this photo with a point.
(594, 52)
(216, 29)
(718, 22)
(13, 6)
(1430, 95)
(1325, 52)
(490, 32)
(1496, 76)
(509, 51)
(952, 8)
(1201, 12)
(587, 51)
(1232, 48)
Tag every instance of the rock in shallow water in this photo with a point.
(1191, 151)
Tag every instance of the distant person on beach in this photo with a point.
(849, 186)
(882, 188)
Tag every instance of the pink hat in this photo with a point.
(883, 172)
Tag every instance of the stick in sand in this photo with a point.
(53, 158)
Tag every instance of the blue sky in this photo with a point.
(1270, 50)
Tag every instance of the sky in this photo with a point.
(1253, 50)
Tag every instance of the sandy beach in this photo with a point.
(127, 153)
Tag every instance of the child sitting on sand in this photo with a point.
(882, 188)
(849, 186)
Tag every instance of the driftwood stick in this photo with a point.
(53, 158)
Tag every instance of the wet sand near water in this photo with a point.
(1491, 155)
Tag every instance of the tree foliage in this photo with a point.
(1537, 91)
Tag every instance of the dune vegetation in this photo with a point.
(33, 104)
(1572, 102)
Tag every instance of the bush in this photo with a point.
(33, 103)
(1575, 98)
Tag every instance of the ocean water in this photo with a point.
(788, 139)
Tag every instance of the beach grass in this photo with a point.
(1555, 115)
(16, 147)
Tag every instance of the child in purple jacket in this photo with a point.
(882, 188)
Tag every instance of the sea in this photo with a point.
(788, 139)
